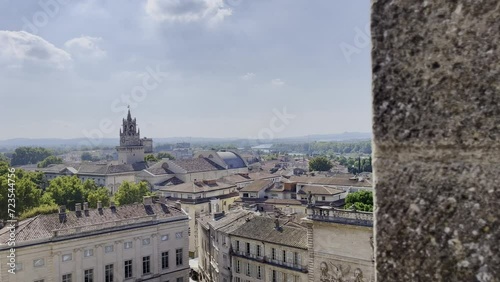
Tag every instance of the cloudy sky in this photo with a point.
(204, 68)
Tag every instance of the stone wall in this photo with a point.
(436, 126)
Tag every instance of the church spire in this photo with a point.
(129, 116)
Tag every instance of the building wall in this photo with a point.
(340, 251)
(130, 155)
(54, 267)
(286, 269)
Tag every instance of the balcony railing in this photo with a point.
(340, 216)
(275, 262)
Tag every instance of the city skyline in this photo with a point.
(200, 68)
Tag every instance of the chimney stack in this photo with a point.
(162, 200)
(62, 213)
(147, 200)
(276, 224)
(86, 208)
(112, 206)
(78, 209)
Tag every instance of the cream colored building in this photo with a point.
(248, 247)
(199, 198)
(340, 245)
(138, 242)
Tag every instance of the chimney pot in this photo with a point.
(162, 200)
(99, 205)
(78, 209)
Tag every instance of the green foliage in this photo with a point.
(163, 155)
(50, 160)
(100, 194)
(29, 155)
(26, 188)
(356, 165)
(327, 148)
(150, 158)
(65, 190)
(361, 201)
(4, 158)
(320, 163)
(42, 209)
(87, 156)
(129, 193)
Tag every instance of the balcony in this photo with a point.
(331, 214)
(274, 262)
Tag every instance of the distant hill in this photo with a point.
(59, 142)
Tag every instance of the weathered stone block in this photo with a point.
(436, 76)
(437, 220)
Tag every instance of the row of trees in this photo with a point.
(29, 155)
(326, 148)
(159, 156)
(355, 165)
(31, 199)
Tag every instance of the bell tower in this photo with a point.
(131, 149)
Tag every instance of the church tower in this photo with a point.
(131, 149)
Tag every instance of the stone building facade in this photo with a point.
(140, 242)
(340, 244)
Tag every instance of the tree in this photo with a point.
(129, 193)
(163, 155)
(65, 190)
(50, 160)
(100, 194)
(361, 200)
(150, 158)
(4, 158)
(26, 190)
(86, 156)
(29, 155)
(42, 209)
(320, 163)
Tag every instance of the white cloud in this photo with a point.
(277, 82)
(18, 48)
(212, 11)
(248, 76)
(85, 47)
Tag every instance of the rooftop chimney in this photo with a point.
(112, 206)
(147, 200)
(162, 200)
(78, 209)
(86, 208)
(99, 207)
(277, 224)
(62, 213)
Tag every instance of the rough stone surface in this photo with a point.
(436, 114)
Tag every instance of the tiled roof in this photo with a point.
(339, 181)
(319, 190)
(227, 221)
(171, 181)
(159, 168)
(42, 227)
(199, 186)
(103, 169)
(263, 229)
(257, 185)
(198, 164)
(239, 178)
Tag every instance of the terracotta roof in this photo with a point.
(171, 181)
(263, 229)
(257, 185)
(103, 169)
(338, 181)
(41, 227)
(228, 221)
(159, 168)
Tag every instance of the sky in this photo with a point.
(200, 68)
